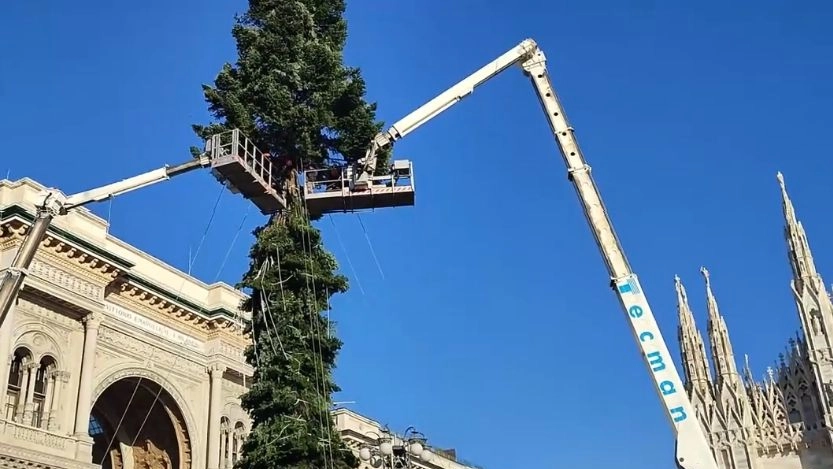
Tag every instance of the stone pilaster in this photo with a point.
(85, 386)
(215, 372)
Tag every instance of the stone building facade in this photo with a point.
(114, 358)
(358, 432)
(117, 360)
(784, 421)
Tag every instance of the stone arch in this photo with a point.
(39, 339)
(111, 376)
(235, 413)
(17, 381)
(137, 422)
(234, 427)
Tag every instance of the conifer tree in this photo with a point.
(290, 92)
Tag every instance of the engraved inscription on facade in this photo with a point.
(154, 327)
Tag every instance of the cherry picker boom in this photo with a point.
(234, 160)
(240, 166)
(692, 449)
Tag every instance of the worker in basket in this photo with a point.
(329, 177)
(334, 179)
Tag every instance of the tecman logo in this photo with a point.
(653, 348)
(629, 286)
(655, 361)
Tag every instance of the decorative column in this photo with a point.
(216, 373)
(92, 322)
(223, 443)
(6, 351)
(23, 396)
(46, 407)
(229, 446)
(59, 378)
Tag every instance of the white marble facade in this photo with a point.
(113, 357)
(784, 421)
(117, 360)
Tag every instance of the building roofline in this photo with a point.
(90, 232)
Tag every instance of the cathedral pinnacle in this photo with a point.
(814, 304)
(801, 259)
(695, 363)
(722, 353)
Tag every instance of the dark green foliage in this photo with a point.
(292, 278)
(291, 94)
(289, 90)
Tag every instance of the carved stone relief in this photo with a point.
(220, 347)
(131, 347)
(40, 340)
(150, 457)
(233, 389)
(40, 313)
(66, 280)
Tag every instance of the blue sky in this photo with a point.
(490, 325)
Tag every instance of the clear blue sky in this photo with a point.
(493, 329)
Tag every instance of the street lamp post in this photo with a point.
(392, 452)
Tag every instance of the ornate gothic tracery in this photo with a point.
(785, 418)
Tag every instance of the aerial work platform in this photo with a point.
(239, 165)
(332, 190)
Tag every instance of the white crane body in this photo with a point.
(692, 448)
(244, 169)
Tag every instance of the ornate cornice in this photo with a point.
(157, 307)
(60, 253)
(92, 273)
(15, 223)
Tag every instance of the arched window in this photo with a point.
(239, 433)
(95, 429)
(18, 377)
(42, 391)
(794, 416)
(225, 442)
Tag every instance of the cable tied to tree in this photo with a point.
(314, 317)
(176, 357)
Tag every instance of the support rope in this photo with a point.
(346, 254)
(178, 296)
(370, 245)
(314, 314)
(233, 242)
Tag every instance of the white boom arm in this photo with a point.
(54, 204)
(692, 448)
(448, 98)
(125, 185)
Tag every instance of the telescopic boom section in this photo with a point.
(692, 450)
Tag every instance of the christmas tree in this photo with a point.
(292, 95)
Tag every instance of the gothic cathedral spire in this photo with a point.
(695, 362)
(815, 309)
(801, 258)
(726, 369)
